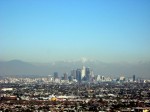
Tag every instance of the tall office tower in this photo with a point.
(102, 78)
(78, 75)
(65, 76)
(133, 78)
(56, 75)
(73, 74)
(82, 73)
(88, 73)
(92, 73)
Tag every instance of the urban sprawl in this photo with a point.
(79, 91)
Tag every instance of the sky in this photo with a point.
(54, 30)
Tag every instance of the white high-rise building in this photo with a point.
(83, 72)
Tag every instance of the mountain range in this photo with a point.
(21, 68)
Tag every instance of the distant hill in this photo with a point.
(20, 68)
(16, 67)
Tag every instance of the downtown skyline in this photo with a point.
(109, 31)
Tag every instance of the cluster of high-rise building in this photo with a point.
(78, 75)
(85, 74)
(79, 90)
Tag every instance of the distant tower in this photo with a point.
(92, 73)
(65, 76)
(133, 78)
(102, 78)
(83, 72)
(55, 75)
(88, 74)
(78, 75)
(73, 74)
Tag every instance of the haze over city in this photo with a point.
(74, 55)
(101, 30)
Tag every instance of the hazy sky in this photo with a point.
(50, 30)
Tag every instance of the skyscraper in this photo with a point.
(73, 74)
(78, 75)
(82, 73)
(133, 78)
(55, 75)
(65, 76)
(87, 74)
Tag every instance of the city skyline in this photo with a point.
(109, 31)
(23, 69)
